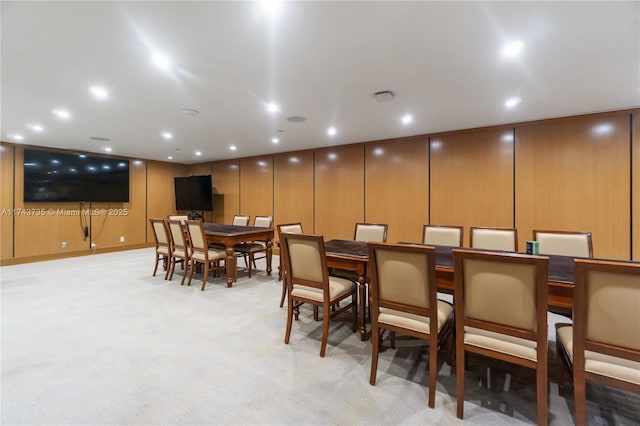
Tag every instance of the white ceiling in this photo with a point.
(319, 60)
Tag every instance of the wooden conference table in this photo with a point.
(229, 235)
(354, 256)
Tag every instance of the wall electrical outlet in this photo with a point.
(93, 244)
(63, 244)
(122, 239)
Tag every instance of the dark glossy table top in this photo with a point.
(220, 228)
(560, 267)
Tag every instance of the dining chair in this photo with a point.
(376, 232)
(291, 228)
(181, 251)
(241, 220)
(249, 250)
(564, 243)
(501, 313)
(443, 235)
(603, 344)
(163, 244)
(505, 239)
(201, 253)
(308, 281)
(403, 296)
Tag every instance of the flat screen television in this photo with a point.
(51, 176)
(194, 193)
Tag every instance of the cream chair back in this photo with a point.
(263, 221)
(443, 235)
(577, 244)
(494, 238)
(241, 220)
(181, 218)
(371, 232)
(292, 228)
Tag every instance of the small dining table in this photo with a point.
(353, 256)
(229, 235)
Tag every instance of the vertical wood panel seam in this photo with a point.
(631, 186)
(513, 189)
(313, 195)
(429, 179)
(273, 186)
(13, 205)
(364, 185)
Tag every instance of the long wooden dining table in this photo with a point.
(229, 235)
(354, 256)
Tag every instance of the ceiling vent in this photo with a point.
(384, 96)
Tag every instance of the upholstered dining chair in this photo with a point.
(210, 258)
(248, 251)
(404, 299)
(309, 282)
(180, 244)
(290, 228)
(603, 344)
(163, 244)
(505, 239)
(241, 220)
(376, 232)
(443, 235)
(565, 243)
(501, 312)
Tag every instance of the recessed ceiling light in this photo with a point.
(99, 92)
(161, 60)
(16, 137)
(108, 149)
(331, 131)
(510, 103)
(407, 118)
(272, 107)
(271, 8)
(170, 157)
(232, 147)
(36, 128)
(198, 153)
(512, 49)
(62, 114)
(275, 140)
(167, 135)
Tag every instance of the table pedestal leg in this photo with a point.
(362, 308)
(230, 265)
(269, 254)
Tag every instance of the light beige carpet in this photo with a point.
(97, 340)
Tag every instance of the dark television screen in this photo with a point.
(194, 193)
(58, 177)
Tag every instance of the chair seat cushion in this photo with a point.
(595, 362)
(213, 255)
(515, 346)
(250, 247)
(338, 287)
(163, 250)
(179, 253)
(415, 322)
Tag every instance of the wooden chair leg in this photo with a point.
(155, 267)
(433, 371)
(205, 275)
(290, 314)
(191, 273)
(185, 269)
(325, 330)
(460, 367)
(375, 351)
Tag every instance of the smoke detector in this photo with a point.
(384, 96)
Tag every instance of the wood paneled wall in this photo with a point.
(397, 186)
(293, 189)
(226, 187)
(6, 201)
(635, 183)
(471, 181)
(256, 186)
(339, 190)
(39, 237)
(574, 175)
